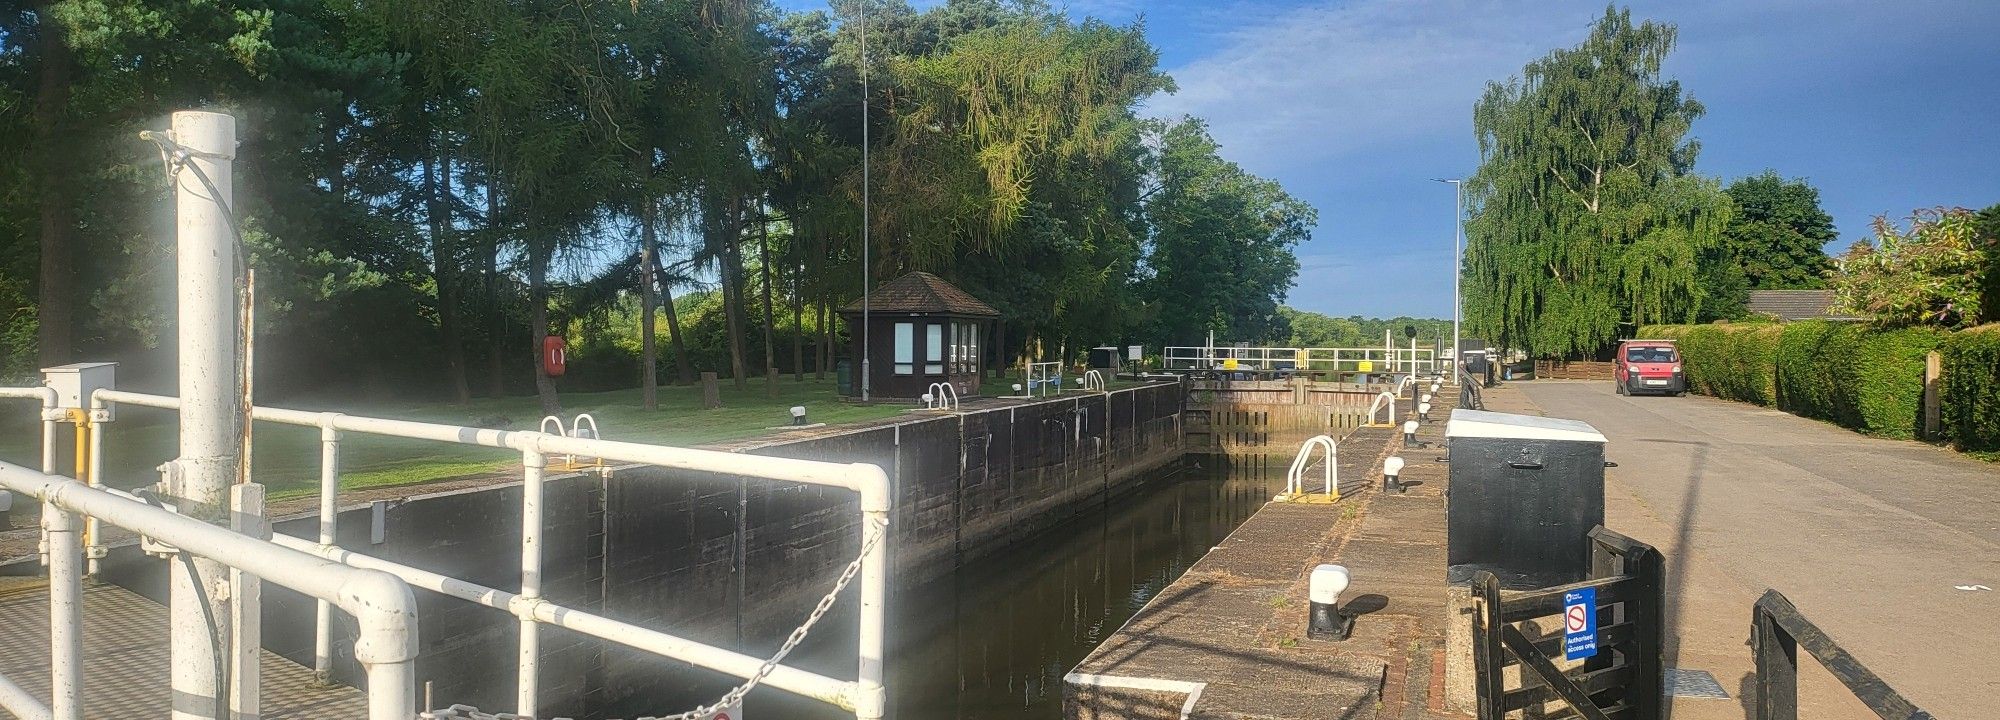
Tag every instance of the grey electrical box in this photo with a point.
(75, 382)
(1525, 492)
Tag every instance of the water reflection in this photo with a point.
(995, 639)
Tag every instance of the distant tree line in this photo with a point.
(427, 187)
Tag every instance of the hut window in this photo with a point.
(934, 349)
(906, 351)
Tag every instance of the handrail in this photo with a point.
(865, 696)
(1045, 375)
(1188, 357)
(1777, 631)
(382, 604)
(1093, 381)
(1384, 399)
(1294, 478)
(941, 396)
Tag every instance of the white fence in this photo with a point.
(1417, 360)
(361, 585)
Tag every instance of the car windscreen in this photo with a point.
(1649, 354)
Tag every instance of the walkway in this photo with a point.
(125, 658)
(1869, 537)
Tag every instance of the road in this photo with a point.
(1869, 538)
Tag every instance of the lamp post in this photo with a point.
(862, 28)
(1457, 240)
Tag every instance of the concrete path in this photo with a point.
(1867, 537)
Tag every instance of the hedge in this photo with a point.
(1870, 380)
(1970, 394)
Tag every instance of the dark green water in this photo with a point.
(993, 640)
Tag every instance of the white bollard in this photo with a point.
(1410, 433)
(1392, 469)
(1323, 590)
(1424, 411)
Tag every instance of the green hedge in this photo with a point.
(1870, 380)
(1970, 396)
(1734, 362)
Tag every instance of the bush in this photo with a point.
(1869, 380)
(1970, 394)
(1734, 362)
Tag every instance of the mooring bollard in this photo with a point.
(1392, 469)
(711, 391)
(1424, 411)
(1409, 433)
(798, 414)
(1326, 621)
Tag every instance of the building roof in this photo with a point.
(925, 294)
(1792, 304)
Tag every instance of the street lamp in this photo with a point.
(1457, 239)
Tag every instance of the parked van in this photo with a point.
(1649, 366)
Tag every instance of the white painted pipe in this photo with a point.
(63, 532)
(783, 677)
(530, 662)
(329, 526)
(870, 694)
(21, 704)
(211, 396)
(93, 536)
(382, 605)
(246, 599)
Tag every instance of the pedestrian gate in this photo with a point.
(1623, 680)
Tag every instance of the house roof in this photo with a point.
(923, 293)
(1792, 304)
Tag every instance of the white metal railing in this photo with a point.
(383, 606)
(1383, 400)
(941, 396)
(1093, 381)
(864, 696)
(1044, 377)
(1318, 360)
(1295, 477)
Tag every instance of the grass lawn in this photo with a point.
(286, 458)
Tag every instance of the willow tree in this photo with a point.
(1584, 212)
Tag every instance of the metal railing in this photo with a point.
(382, 604)
(1295, 477)
(1045, 378)
(1383, 400)
(941, 396)
(1313, 360)
(1777, 631)
(864, 696)
(1093, 381)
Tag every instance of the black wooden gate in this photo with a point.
(1623, 681)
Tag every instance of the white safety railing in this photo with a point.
(941, 396)
(382, 605)
(1383, 400)
(581, 426)
(1316, 360)
(864, 696)
(1295, 477)
(1093, 381)
(1045, 378)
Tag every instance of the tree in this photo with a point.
(1221, 245)
(1584, 215)
(1987, 224)
(1778, 232)
(1311, 329)
(1927, 275)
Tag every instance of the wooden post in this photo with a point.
(1933, 372)
(711, 391)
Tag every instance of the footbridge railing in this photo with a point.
(1308, 360)
(325, 571)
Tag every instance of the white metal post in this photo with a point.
(1457, 269)
(246, 600)
(93, 539)
(533, 463)
(329, 519)
(211, 400)
(65, 612)
(871, 696)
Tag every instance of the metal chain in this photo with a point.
(734, 696)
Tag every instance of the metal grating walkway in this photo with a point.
(125, 659)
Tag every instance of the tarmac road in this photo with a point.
(1868, 537)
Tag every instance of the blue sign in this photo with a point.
(1579, 624)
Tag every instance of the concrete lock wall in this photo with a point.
(732, 561)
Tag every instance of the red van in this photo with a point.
(1649, 366)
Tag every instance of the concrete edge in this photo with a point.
(1190, 688)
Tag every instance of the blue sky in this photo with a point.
(1885, 106)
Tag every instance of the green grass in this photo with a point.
(286, 458)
